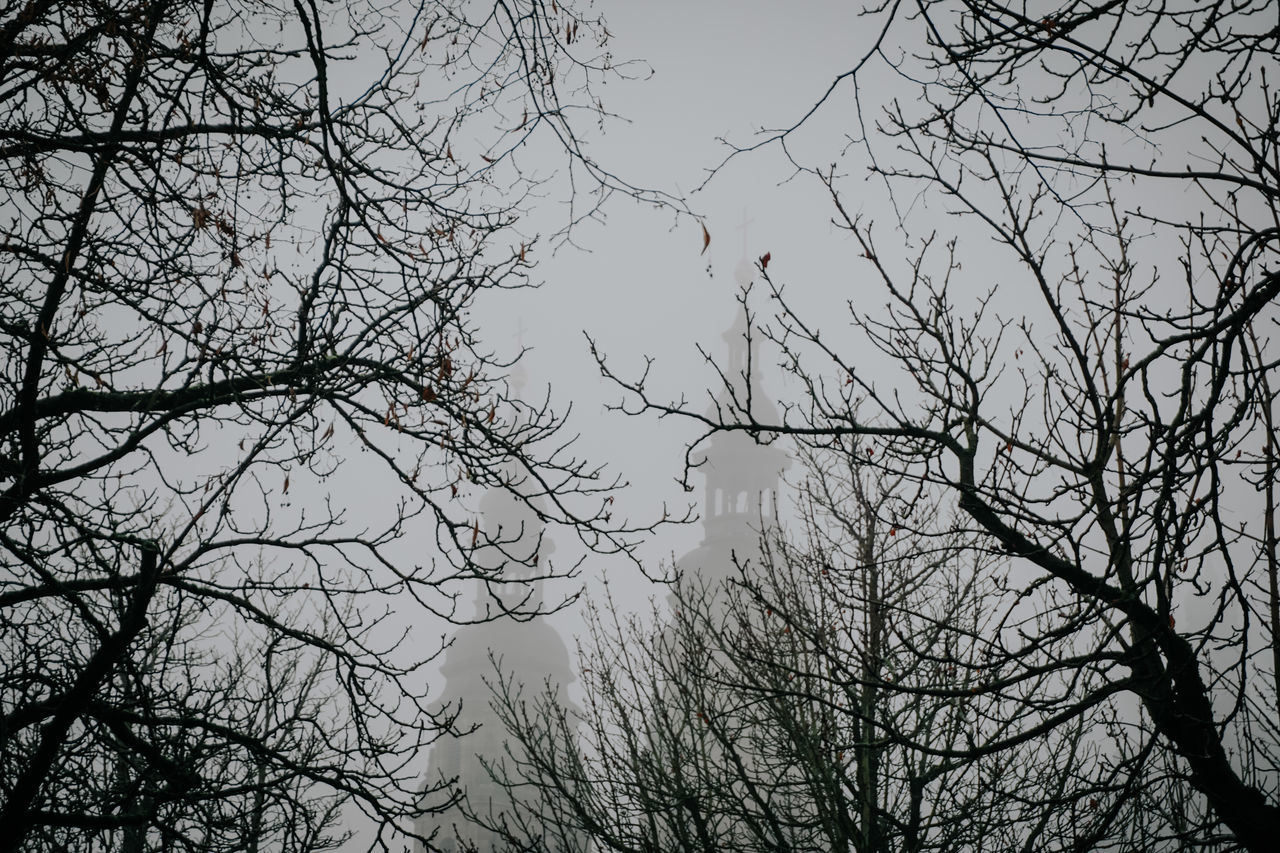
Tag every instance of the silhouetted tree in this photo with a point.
(240, 395)
(829, 698)
(1085, 365)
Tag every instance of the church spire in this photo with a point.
(742, 475)
(527, 648)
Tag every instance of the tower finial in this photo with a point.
(744, 272)
(746, 221)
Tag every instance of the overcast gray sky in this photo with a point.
(638, 282)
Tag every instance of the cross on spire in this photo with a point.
(743, 228)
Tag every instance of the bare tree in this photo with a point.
(242, 398)
(829, 699)
(1084, 364)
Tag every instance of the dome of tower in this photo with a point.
(531, 647)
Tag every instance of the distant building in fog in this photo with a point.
(742, 475)
(529, 649)
(740, 498)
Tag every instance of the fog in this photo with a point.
(1013, 300)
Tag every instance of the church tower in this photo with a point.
(528, 649)
(740, 498)
(739, 507)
